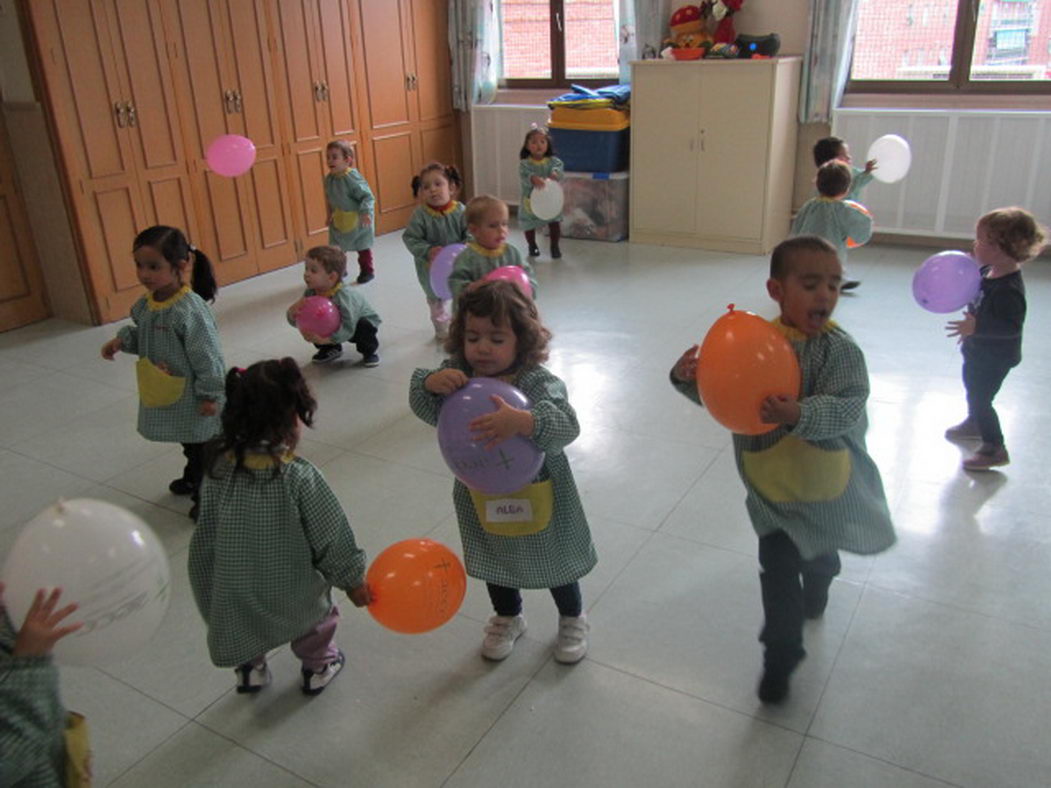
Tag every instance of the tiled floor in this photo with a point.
(930, 667)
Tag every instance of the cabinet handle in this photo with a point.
(238, 103)
(122, 114)
(133, 116)
(317, 91)
(228, 101)
(408, 82)
(702, 140)
(414, 82)
(324, 91)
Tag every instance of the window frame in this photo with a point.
(557, 41)
(959, 81)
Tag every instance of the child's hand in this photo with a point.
(503, 423)
(779, 409)
(360, 596)
(961, 328)
(111, 349)
(432, 253)
(685, 368)
(870, 165)
(40, 630)
(317, 339)
(537, 181)
(207, 407)
(294, 309)
(445, 381)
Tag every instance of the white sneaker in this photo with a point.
(314, 683)
(572, 639)
(500, 635)
(252, 678)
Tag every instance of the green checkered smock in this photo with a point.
(815, 480)
(265, 555)
(349, 191)
(474, 262)
(561, 553)
(352, 306)
(179, 333)
(428, 228)
(32, 747)
(833, 220)
(545, 168)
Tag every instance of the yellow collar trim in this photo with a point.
(333, 291)
(793, 334)
(538, 162)
(171, 300)
(257, 461)
(453, 205)
(341, 173)
(474, 246)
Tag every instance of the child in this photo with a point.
(438, 222)
(812, 488)
(486, 218)
(32, 719)
(833, 148)
(828, 216)
(538, 165)
(359, 323)
(496, 332)
(991, 329)
(350, 207)
(180, 367)
(272, 539)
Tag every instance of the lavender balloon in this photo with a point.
(505, 468)
(946, 282)
(441, 267)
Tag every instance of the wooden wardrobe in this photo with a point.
(135, 90)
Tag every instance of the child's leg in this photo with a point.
(366, 338)
(817, 577)
(440, 316)
(316, 648)
(506, 601)
(573, 625)
(982, 378)
(366, 272)
(568, 599)
(253, 675)
(507, 625)
(783, 613)
(556, 234)
(534, 250)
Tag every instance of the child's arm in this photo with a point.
(555, 423)
(362, 194)
(127, 338)
(861, 179)
(428, 387)
(415, 237)
(201, 341)
(683, 375)
(336, 553)
(294, 310)
(349, 314)
(837, 402)
(558, 169)
(526, 178)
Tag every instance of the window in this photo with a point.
(952, 45)
(551, 43)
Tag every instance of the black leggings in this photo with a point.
(982, 377)
(508, 601)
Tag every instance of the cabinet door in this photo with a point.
(432, 68)
(665, 149)
(734, 149)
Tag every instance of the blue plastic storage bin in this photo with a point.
(591, 151)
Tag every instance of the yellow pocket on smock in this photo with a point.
(794, 471)
(344, 221)
(157, 389)
(521, 513)
(78, 751)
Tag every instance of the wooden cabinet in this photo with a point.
(713, 152)
(22, 297)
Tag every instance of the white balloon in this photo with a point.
(105, 559)
(893, 158)
(546, 202)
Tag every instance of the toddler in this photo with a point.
(486, 218)
(350, 207)
(538, 165)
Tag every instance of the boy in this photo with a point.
(829, 217)
(829, 148)
(350, 206)
(359, 323)
(486, 218)
(812, 488)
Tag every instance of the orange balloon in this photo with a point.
(851, 243)
(417, 585)
(745, 359)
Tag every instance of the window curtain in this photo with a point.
(826, 65)
(474, 42)
(643, 26)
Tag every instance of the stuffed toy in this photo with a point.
(723, 12)
(688, 30)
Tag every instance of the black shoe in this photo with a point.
(773, 686)
(194, 511)
(534, 251)
(327, 354)
(556, 253)
(365, 276)
(371, 360)
(182, 486)
(850, 284)
(815, 600)
(315, 683)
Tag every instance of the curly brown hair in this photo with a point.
(1015, 231)
(504, 304)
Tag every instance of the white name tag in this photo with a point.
(509, 510)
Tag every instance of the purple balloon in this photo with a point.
(441, 267)
(505, 468)
(946, 282)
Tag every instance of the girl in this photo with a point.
(537, 166)
(497, 333)
(180, 367)
(438, 222)
(272, 539)
(350, 206)
(991, 329)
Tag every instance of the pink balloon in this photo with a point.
(318, 315)
(231, 155)
(512, 273)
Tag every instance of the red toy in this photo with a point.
(723, 12)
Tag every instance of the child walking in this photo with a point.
(829, 217)
(991, 329)
(538, 165)
(437, 222)
(812, 488)
(324, 270)
(33, 722)
(180, 366)
(350, 208)
(486, 218)
(272, 539)
(497, 333)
